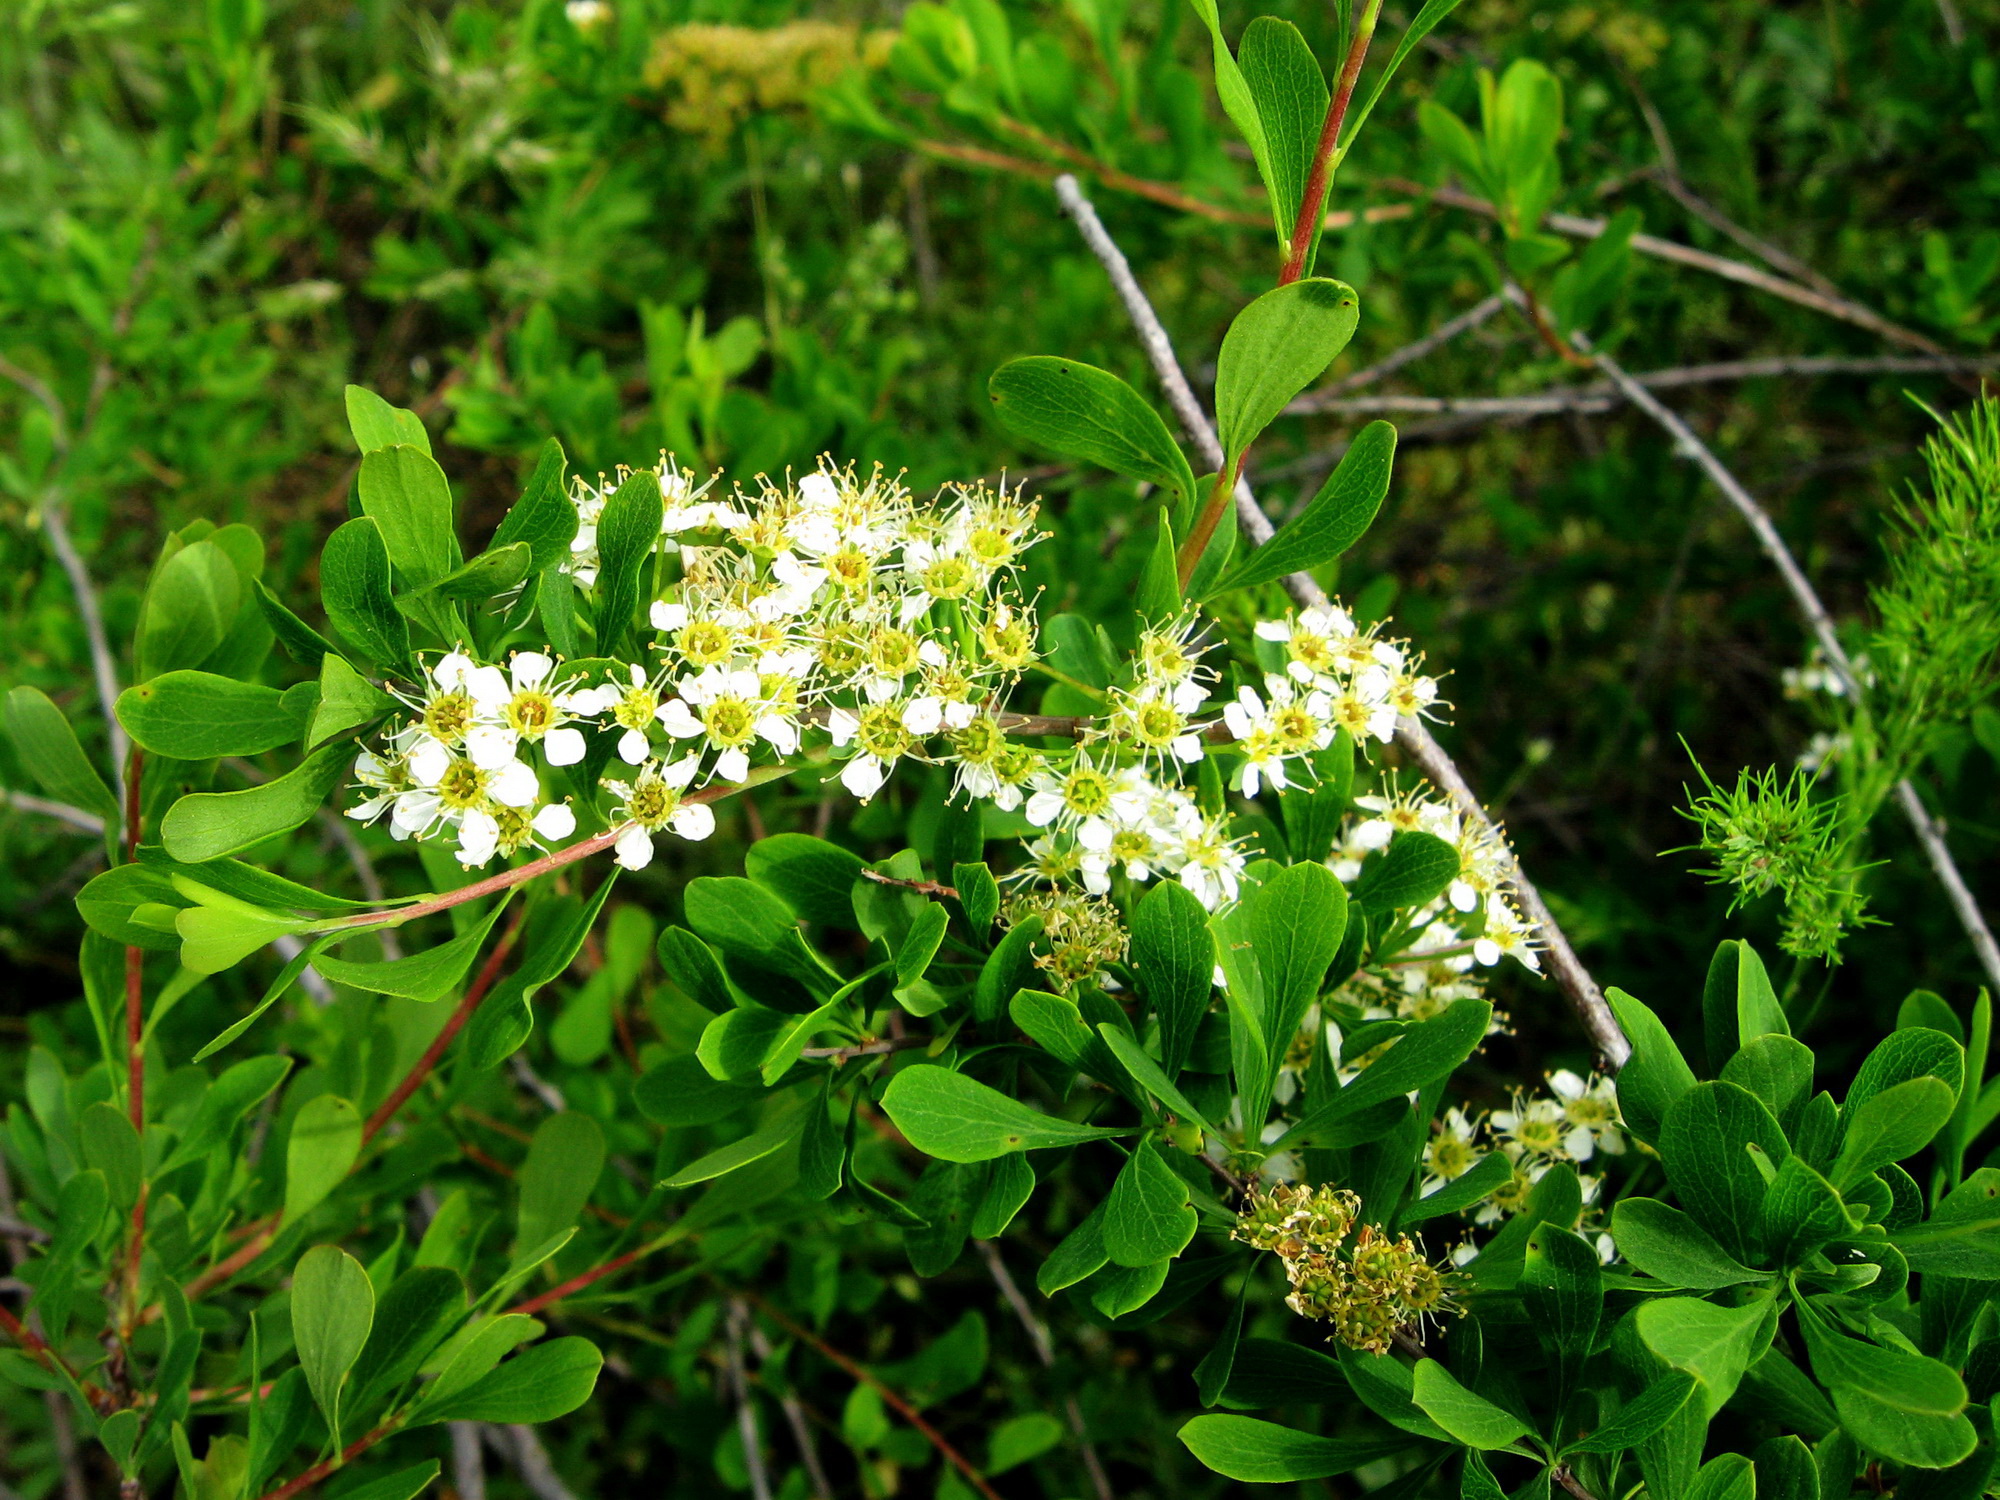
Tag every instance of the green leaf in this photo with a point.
(1729, 1476)
(1738, 1004)
(487, 576)
(1081, 1253)
(1655, 1075)
(1173, 960)
(406, 494)
(1080, 411)
(736, 1042)
(1335, 520)
(425, 975)
(1240, 105)
(1639, 1418)
(551, 1380)
(693, 968)
(1265, 1453)
(1423, 1054)
(1147, 1218)
(404, 1484)
(1712, 1343)
(377, 424)
(1902, 1406)
(813, 877)
(564, 1160)
(1891, 1125)
(1019, 1439)
(354, 589)
(1665, 1243)
(219, 931)
(1276, 347)
(1427, 20)
(324, 1144)
(726, 1159)
(746, 921)
(543, 519)
(111, 1146)
(681, 1091)
(790, 1042)
(627, 533)
(1413, 871)
(1466, 1415)
(1562, 1292)
(1159, 598)
(470, 1356)
(1962, 1236)
(287, 977)
(1008, 967)
(333, 1309)
(212, 825)
(49, 752)
(1489, 1173)
(1291, 97)
(1010, 1182)
(1801, 1212)
(954, 1118)
(1704, 1143)
(1384, 1384)
(190, 605)
(1294, 922)
(1149, 1075)
(224, 1103)
(412, 1319)
(1910, 1053)
(920, 944)
(305, 645)
(1778, 1070)
(347, 700)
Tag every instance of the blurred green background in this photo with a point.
(753, 232)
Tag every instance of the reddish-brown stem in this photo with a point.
(474, 993)
(888, 1393)
(135, 1049)
(923, 887)
(586, 1278)
(326, 1466)
(42, 1353)
(222, 1270)
(1204, 526)
(1307, 224)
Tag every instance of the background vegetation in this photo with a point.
(751, 234)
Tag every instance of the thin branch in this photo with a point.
(44, 807)
(839, 1055)
(795, 1417)
(1038, 1335)
(327, 1466)
(1604, 395)
(516, 1442)
(1675, 187)
(746, 1408)
(1568, 972)
(103, 665)
(923, 887)
(468, 1470)
(1820, 623)
(1846, 309)
(1437, 338)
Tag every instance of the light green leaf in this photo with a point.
(404, 1484)
(1889, 1126)
(736, 1042)
(347, 700)
(1079, 411)
(225, 1102)
(425, 975)
(49, 752)
(1335, 520)
(1147, 1218)
(1423, 1054)
(1150, 1076)
(564, 1160)
(1480, 1180)
(1294, 922)
(1173, 960)
(1239, 104)
(1712, 1343)
(1902, 1406)
(487, 576)
(954, 1118)
(1665, 1243)
(211, 825)
(1427, 19)
(1466, 1415)
(189, 608)
(550, 1380)
(406, 494)
(354, 589)
(1019, 1439)
(921, 943)
(1278, 345)
(377, 424)
(737, 1154)
(333, 1309)
(1265, 1453)
(1290, 92)
(1080, 1254)
(219, 931)
(324, 1144)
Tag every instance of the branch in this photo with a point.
(1568, 972)
(746, 1410)
(326, 1466)
(516, 1442)
(1327, 150)
(103, 666)
(44, 807)
(1436, 339)
(1604, 395)
(795, 1415)
(1038, 1335)
(1929, 834)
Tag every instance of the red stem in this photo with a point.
(1321, 173)
(135, 1050)
(474, 993)
(577, 1283)
(1204, 527)
(326, 1466)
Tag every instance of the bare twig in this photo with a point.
(44, 807)
(1820, 623)
(1667, 175)
(1409, 354)
(1604, 395)
(923, 887)
(868, 1049)
(468, 1469)
(1583, 993)
(516, 1442)
(1038, 1335)
(103, 665)
(746, 1409)
(795, 1418)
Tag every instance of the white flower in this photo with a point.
(728, 709)
(522, 706)
(1591, 1111)
(1507, 933)
(654, 800)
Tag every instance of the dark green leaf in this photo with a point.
(1905, 1407)
(1655, 1075)
(551, 1380)
(627, 532)
(1423, 1054)
(813, 877)
(347, 700)
(1703, 1142)
(543, 519)
(1080, 411)
(1335, 520)
(1275, 348)
(1263, 1452)
(1291, 97)
(1173, 960)
(1147, 1218)
(1413, 871)
(954, 1118)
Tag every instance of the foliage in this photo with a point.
(592, 939)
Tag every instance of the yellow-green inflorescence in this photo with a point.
(1365, 1283)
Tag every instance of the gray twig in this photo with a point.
(62, 812)
(1412, 734)
(1045, 1351)
(1409, 354)
(1929, 834)
(518, 1444)
(1604, 395)
(1667, 175)
(795, 1418)
(468, 1469)
(746, 1409)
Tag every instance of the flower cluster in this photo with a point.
(1365, 1283)
(1575, 1121)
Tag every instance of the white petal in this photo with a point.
(488, 686)
(555, 821)
(635, 848)
(451, 669)
(863, 776)
(842, 725)
(490, 746)
(563, 747)
(632, 747)
(530, 669)
(678, 774)
(678, 719)
(428, 763)
(695, 821)
(778, 732)
(733, 764)
(666, 616)
(923, 716)
(515, 785)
